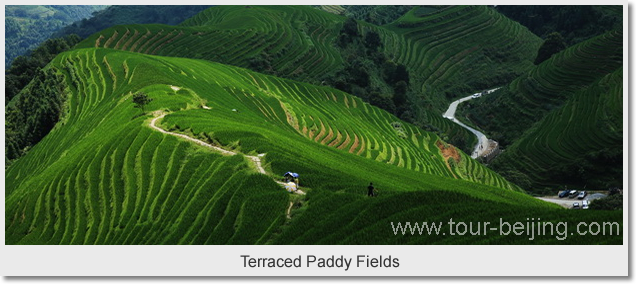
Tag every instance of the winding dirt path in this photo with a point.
(256, 160)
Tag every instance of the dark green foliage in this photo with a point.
(358, 74)
(140, 100)
(372, 77)
(350, 28)
(401, 74)
(35, 113)
(552, 44)
(382, 102)
(24, 68)
(372, 40)
(611, 202)
(399, 95)
(27, 26)
(575, 22)
(348, 34)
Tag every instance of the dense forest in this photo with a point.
(24, 68)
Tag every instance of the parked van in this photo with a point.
(573, 193)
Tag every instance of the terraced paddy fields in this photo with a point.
(545, 88)
(104, 176)
(580, 143)
(300, 38)
(458, 48)
(449, 53)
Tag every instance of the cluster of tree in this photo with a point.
(24, 68)
(263, 62)
(131, 14)
(553, 44)
(612, 202)
(34, 113)
(368, 73)
(26, 26)
(576, 23)
(140, 100)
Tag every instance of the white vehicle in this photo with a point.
(582, 195)
(575, 205)
(585, 204)
(477, 95)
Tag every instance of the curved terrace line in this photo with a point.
(255, 160)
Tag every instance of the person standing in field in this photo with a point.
(370, 190)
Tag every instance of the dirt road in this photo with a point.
(565, 202)
(256, 160)
(482, 140)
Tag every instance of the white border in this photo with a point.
(414, 260)
(226, 261)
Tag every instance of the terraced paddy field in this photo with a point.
(104, 176)
(300, 38)
(545, 88)
(449, 52)
(581, 143)
(459, 49)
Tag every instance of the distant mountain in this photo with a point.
(26, 26)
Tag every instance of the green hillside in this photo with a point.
(581, 142)
(449, 53)
(235, 34)
(546, 87)
(567, 126)
(103, 176)
(301, 41)
(460, 49)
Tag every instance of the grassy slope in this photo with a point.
(450, 53)
(102, 176)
